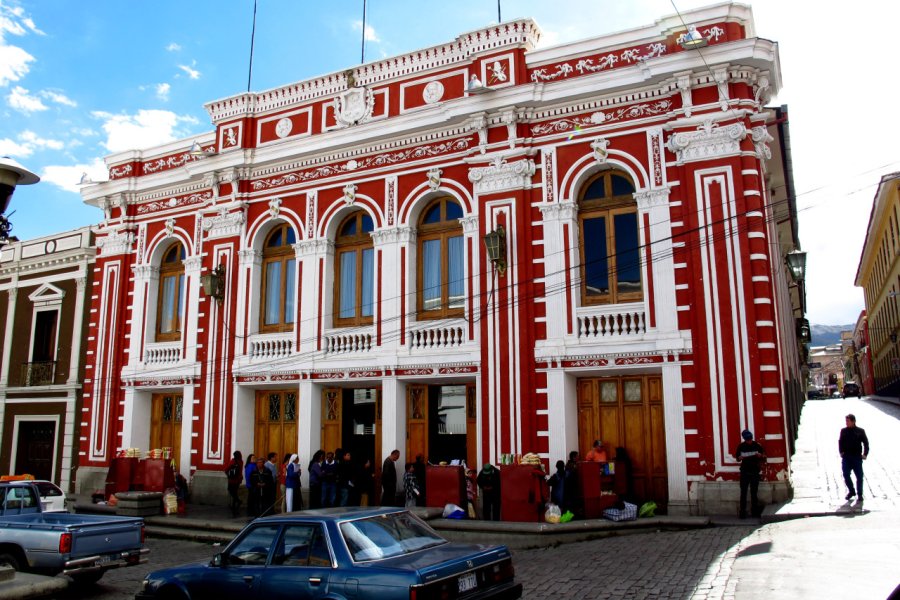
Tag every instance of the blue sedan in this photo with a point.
(339, 553)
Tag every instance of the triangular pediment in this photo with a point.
(47, 292)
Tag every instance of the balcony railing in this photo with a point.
(435, 335)
(162, 353)
(38, 373)
(611, 321)
(270, 346)
(343, 341)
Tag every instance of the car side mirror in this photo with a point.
(218, 560)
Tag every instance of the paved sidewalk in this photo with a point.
(851, 549)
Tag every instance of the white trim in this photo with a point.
(14, 446)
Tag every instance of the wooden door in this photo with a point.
(276, 423)
(332, 399)
(416, 421)
(627, 412)
(34, 449)
(165, 423)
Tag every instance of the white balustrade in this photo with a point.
(162, 353)
(269, 346)
(431, 335)
(611, 321)
(342, 341)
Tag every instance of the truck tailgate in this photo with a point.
(106, 537)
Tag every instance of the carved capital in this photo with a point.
(145, 272)
(13, 294)
(249, 257)
(223, 224)
(317, 247)
(761, 138)
(469, 225)
(192, 265)
(560, 211)
(651, 199)
(117, 241)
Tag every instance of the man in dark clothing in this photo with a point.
(489, 482)
(263, 489)
(235, 474)
(854, 448)
(751, 456)
(389, 479)
(419, 471)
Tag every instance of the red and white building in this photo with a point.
(641, 297)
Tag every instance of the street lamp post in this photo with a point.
(11, 175)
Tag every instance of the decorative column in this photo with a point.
(393, 422)
(560, 254)
(248, 298)
(193, 265)
(659, 266)
(389, 288)
(472, 234)
(145, 276)
(317, 279)
(13, 294)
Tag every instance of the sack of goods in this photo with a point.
(553, 514)
(452, 511)
(628, 513)
(170, 502)
(531, 459)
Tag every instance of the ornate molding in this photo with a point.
(354, 106)
(501, 176)
(634, 111)
(510, 118)
(761, 138)
(115, 242)
(600, 146)
(763, 90)
(652, 198)
(350, 194)
(560, 211)
(721, 77)
(315, 247)
(710, 140)
(170, 227)
(192, 265)
(224, 224)
(274, 207)
(479, 124)
(387, 235)
(145, 272)
(586, 66)
(683, 83)
(434, 178)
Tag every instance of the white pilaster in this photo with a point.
(77, 327)
(145, 278)
(562, 414)
(309, 415)
(247, 321)
(393, 422)
(191, 310)
(655, 204)
(187, 430)
(388, 242)
(556, 247)
(13, 294)
(673, 407)
(310, 252)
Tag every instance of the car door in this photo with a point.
(302, 565)
(237, 572)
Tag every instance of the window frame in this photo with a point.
(608, 206)
(282, 254)
(443, 231)
(171, 270)
(356, 243)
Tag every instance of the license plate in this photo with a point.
(105, 560)
(467, 582)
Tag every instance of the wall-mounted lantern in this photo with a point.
(214, 283)
(796, 262)
(803, 331)
(495, 245)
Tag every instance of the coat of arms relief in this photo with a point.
(353, 106)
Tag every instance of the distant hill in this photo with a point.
(825, 335)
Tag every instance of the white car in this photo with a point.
(53, 499)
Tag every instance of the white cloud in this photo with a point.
(20, 99)
(68, 177)
(173, 47)
(13, 148)
(192, 73)
(39, 143)
(58, 98)
(84, 132)
(13, 63)
(144, 129)
(371, 36)
(162, 91)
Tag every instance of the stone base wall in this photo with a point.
(90, 479)
(723, 497)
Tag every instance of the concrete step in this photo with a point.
(189, 533)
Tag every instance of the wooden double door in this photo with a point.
(351, 421)
(165, 423)
(441, 423)
(627, 412)
(275, 424)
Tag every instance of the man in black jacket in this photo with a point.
(751, 455)
(389, 480)
(854, 448)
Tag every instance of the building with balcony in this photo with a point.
(637, 202)
(43, 311)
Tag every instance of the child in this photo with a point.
(410, 485)
(329, 481)
(472, 493)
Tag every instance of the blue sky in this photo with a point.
(82, 79)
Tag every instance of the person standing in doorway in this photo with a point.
(854, 448)
(329, 481)
(410, 485)
(235, 474)
(389, 479)
(346, 472)
(252, 496)
(315, 479)
(751, 456)
(597, 452)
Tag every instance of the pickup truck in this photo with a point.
(83, 547)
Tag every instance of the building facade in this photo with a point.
(43, 313)
(861, 365)
(640, 206)
(879, 276)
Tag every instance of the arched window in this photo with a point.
(279, 280)
(354, 271)
(610, 250)
(441, 273)
(171, 292)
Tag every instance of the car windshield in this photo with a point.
(384, 536)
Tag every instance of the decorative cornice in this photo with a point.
(470, 225)
(192, 265)
(388, 235)
(249, 256)
(501, 176)
(145, 272)
(633, 111)
(315, 247)
(710, 140)
(761, 139)
(224, 224)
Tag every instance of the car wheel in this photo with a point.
(10, 560)
(87, 578)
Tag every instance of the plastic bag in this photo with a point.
(648, 509)
(567, 516)
(170, 502)
(112, 500)
(452, 511)
(552, 514)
